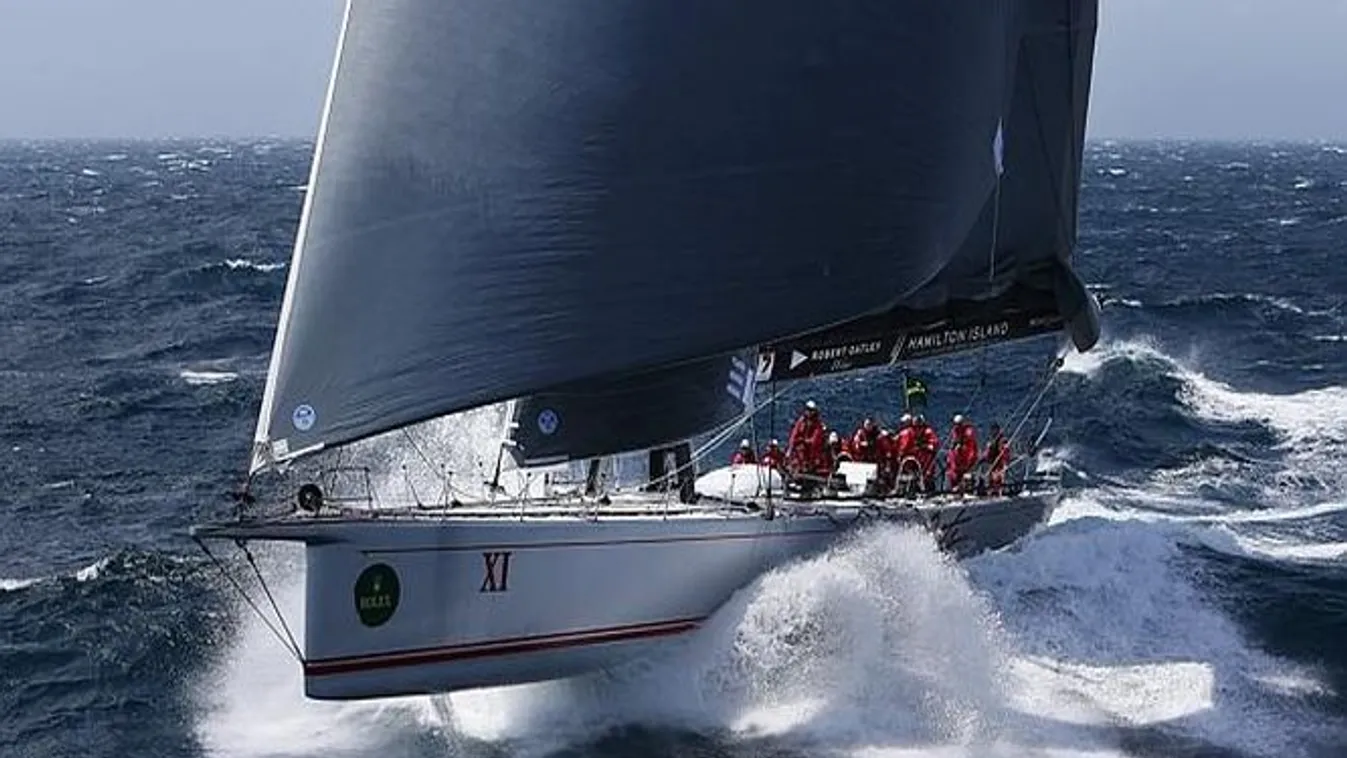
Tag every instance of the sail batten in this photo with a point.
(518, 198)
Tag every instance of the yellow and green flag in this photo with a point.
(914, 392)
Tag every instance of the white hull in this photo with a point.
(485, 598)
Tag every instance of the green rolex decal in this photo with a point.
(376, 594)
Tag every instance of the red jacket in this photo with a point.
(772, 457)
(742, 456)
(963, 449)
(865, 445)
(804, 449)
(998, 453)
(807, 432)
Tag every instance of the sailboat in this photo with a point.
(623, 219)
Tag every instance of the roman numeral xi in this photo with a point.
(496, 577)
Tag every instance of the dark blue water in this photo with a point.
(1189, 599)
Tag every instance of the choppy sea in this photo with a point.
(1189, 597)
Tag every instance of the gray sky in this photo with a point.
(147, 68)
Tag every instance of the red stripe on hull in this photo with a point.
(512, 646)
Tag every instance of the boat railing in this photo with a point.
(332, 478)
(352, 491)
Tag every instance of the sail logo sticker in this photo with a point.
(548, 421)
(377, 592)
(950, 339)
(303, 417)
(999, 148)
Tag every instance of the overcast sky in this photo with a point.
(147, 68)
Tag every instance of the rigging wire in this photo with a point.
(270, 598)
(444, 476)
(719, 437)
(1047, 384)
(982, 380)
(287, 640)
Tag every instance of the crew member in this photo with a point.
(833, 453)
(772, 457)
(997, 459)
(743, 455)
(804, 448)
(886, 450)
(865, 442)
(904, 458)
(927, 446)
(963, 454)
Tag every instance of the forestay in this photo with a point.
(514, 197)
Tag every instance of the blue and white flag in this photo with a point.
(742, 383)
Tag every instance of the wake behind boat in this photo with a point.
(628, 259)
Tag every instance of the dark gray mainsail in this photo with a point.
(519, 197)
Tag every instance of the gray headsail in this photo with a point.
(513, 198)
(593, 419)
(1011, 277)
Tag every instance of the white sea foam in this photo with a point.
(199, 378)
(9, 585)
(1307, 419)
(85, 574)
(265, 267)
(255, 706)
(1133, 350)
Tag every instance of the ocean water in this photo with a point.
(1189, 598)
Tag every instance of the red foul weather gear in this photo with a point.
(772, 457)
(997, 459)
(963, 454)
(804, 448)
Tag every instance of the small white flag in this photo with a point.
(999, 148)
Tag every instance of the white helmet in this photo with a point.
(832, 437)
(958, 418)
(810, 405)
(744, 443)
(907, 418)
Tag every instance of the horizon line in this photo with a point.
(1304, 140)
